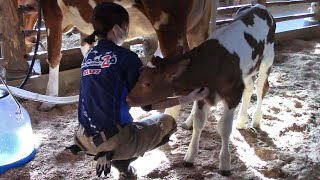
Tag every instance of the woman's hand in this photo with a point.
(197, 94)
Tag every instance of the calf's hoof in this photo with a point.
(187, 164)
(46, 107)
(224, 172)
(185, 126)
(256, 125)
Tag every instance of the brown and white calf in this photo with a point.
(178, 24)
(226, 63)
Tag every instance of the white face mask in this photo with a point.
(120, 34)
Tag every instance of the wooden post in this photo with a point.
(11, 37)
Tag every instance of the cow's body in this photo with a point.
(226, 63)
(178, 24)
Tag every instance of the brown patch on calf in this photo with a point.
(265, 88)
(256, 67)
(200, 104)
(219, 70)
(266, 84)
(258, 47)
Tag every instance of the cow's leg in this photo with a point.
(201, 114)
(262, 87)
(196, 35)
(246, 97)
(171, 46)
(199, 31)
(53, 21)
(224, 130)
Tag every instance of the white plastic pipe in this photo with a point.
(39, 97)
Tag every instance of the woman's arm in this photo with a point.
(197, 94)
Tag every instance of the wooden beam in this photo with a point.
(71, 58)
(38, 84)
(11, 37)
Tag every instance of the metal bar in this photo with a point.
(29, 33)
(278, 19)
(233, 9)
(292, 2)
(294, 16)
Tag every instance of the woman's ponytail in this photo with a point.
(91, 38)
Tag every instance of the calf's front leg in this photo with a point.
(187, 124)
(201, 111)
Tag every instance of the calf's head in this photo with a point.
(158, 80)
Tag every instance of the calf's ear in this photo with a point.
(178, 69)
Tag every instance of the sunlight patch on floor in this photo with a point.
(152, 159)
(149, 162)
(137, 112)
(39, 138)
(246, 153)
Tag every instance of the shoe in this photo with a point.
(125, 169)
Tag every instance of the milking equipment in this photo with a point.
(16, 137)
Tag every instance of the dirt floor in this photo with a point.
(286, 147)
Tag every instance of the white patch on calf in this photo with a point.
(180, 43)
(150, 65)
(92, 4)
(234, 32)
(164, 19)
(246, 97)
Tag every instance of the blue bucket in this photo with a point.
(16, 136)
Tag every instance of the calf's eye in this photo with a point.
(146, 84)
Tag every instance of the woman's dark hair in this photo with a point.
(105, 16)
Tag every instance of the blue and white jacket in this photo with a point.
(108, 73)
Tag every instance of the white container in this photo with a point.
(16, 136)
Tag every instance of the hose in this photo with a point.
(35, 48)
(39, 97)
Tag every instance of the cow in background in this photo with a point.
(179, 26)
(225, 63)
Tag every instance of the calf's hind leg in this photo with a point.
(262, 87)
(246, 97)
(224, 130)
